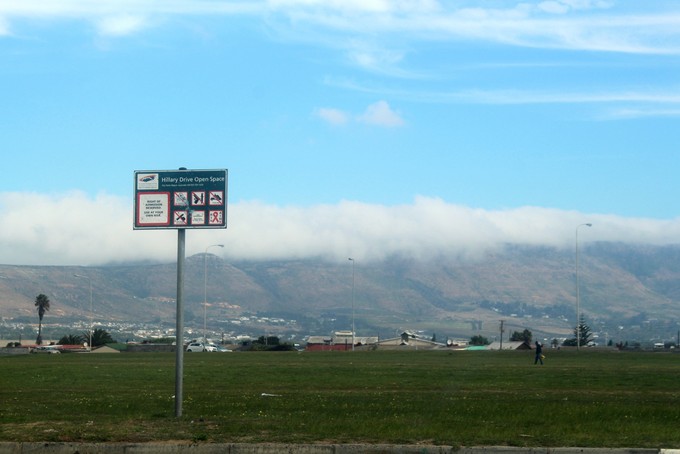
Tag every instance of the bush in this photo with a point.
(479, 340)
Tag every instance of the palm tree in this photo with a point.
(42, 302)
(71, 339)
(99, 337)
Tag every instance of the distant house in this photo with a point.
(409, 341)
(510, 345)
(323, 343)
(398, 343)
(339, 341)
(105, 349)
(72, 348)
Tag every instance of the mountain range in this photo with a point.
(625, 292)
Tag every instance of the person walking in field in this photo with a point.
(539, 353)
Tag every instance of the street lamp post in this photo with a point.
(91, 314)
(205, 290)
(578, 297)
(352, 260)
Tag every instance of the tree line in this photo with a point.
(583, 335)
(94, 338)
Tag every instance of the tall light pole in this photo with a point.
(352, 260)
(91, 326)
(578, 297)
(205, 289)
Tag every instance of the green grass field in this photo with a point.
(586, 399)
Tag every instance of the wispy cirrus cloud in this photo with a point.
(123, 17)
(632, 113)
(555, 97)
(564, 24)
(559, 24)
(632, 103)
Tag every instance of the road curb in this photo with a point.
(278, 448)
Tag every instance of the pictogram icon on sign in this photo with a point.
(198, 198)
(181, 218)
(216, 217)
(197, 218)
(181, 199)
(216, 198)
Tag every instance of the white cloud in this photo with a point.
(631, 113)
(121, 25)
(75, 229)
(4, 27)
(376, 114)
(332, 116)
(564, 6)
(377, 60)
(93, 8)
(381, 114)
(553, 7)
(72, 228)
(358, 6)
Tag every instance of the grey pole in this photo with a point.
(205, 290)
(91, 312)
(352, 302)
(91, 315)
(578, 297)
(179, 330)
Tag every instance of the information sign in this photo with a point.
(180, 199)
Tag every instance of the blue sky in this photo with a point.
(337, 119)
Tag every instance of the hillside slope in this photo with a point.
(530, 286)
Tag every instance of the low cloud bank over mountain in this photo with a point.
(77, 229)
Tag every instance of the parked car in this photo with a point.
(51, 349)
(217, 348)
(211, 348)
(196, 347)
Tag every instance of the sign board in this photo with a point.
(180, 199)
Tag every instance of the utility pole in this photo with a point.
(502, 330)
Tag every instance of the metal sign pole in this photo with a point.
(179, 330)
(180, 199)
